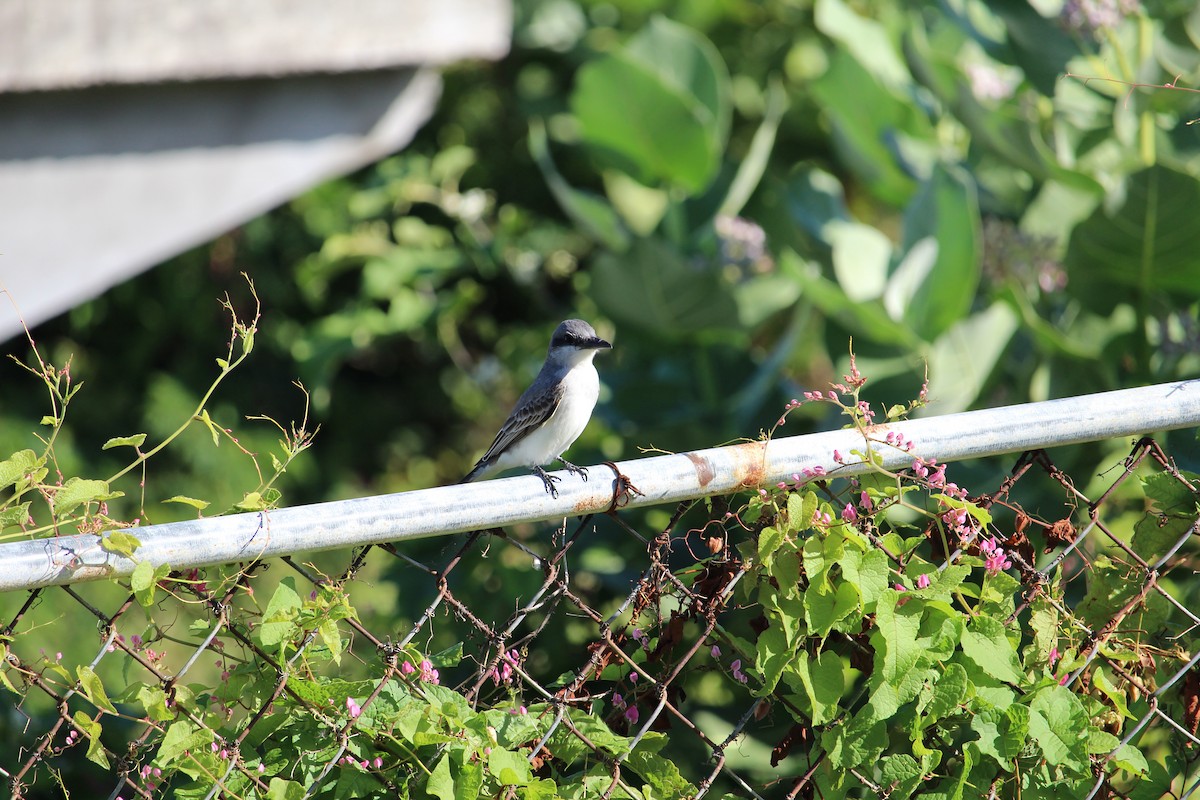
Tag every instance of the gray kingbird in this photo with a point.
(553, 411)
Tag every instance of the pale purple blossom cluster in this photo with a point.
(743, 243)
(351, 761)
(988, 83)
(896, 439)
(1091, 17)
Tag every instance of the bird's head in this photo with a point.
(575, 340)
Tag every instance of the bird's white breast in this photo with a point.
(581, 388)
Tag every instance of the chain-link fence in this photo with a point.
(653, 654)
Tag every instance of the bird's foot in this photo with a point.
(549, 480)
(574, 470)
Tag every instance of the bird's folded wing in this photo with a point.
(528, 416)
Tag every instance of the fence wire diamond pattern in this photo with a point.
(622, 662)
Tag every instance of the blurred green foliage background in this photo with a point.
(730, 191)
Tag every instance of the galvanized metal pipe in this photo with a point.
(662, 479)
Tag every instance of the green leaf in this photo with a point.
(590, 212)
(772, 657)
(641, 207)
(509, 768)
(154, 700)
(661, 774)
(857, 743)
(934, 284)
(901, 773)
(655, 289)
(1059, 725)
(1002, 733)
(137, 440)
(673, 90)
(278, 622)
(332, 638)
(213, 430)
(1176, 506)
(22, 462)
(861, 255)
(93, 689)
(985, 642)
(825, 611)
(1130, 759)
(16, 515)
(801, 506)
(1114, 694)
(823, 679)
(865, 319)
(864, 38)
(948, 694)
(92, 730)
(754, 164)
(77, 491)
(199, 505)
(440, 783)
(897, 649)
(1143, 250)
(965, 356)
(121, 542)
(144, 581)
(769, 540)
(280, 789)
(867, 119)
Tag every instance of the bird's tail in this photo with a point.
(478, 471)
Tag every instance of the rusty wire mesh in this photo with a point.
(572, 637)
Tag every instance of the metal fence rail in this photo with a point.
(572, 650)
(663, 479)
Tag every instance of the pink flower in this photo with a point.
(407, 668)
(503, 672)
(899, 587)
(618, 701)
(428, 673)
(1053, 655)
(995, 559)
(923, 581)
(631, 714)
(736, 669)
(849, 514)
(716, 651)
(353, 708)
(865, 502)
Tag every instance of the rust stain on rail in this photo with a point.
(748, 463)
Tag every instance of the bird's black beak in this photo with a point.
(599, 344)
